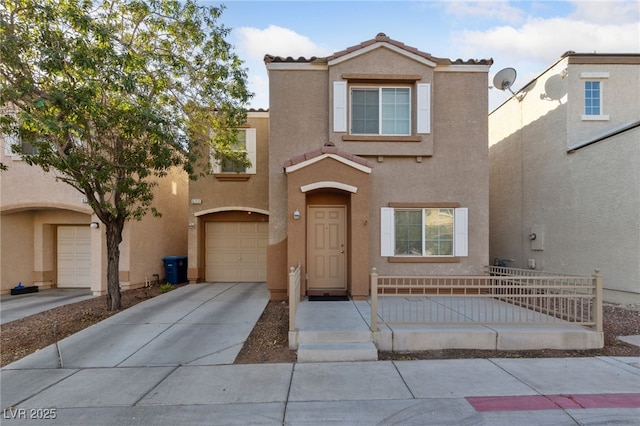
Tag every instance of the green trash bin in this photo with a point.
(175, 269)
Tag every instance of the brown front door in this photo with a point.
(327, 248)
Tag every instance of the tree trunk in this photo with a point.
(114, 237)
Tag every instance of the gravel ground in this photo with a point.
(268, 343)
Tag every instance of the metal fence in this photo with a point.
(503, 296)
(294, 295)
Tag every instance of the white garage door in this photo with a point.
(236, 251)
(74, 256)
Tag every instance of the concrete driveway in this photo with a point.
(191, 325)
(19, 306)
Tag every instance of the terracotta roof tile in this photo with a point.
(328, 148)
(380, 38)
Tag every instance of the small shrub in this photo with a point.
(165, 288)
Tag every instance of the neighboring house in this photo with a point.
(229, 212)
(565, 172)
(46, 239)
(378, 157)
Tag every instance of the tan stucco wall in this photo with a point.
(584, 204)
(301, 114)
(218, 195)
(16, 237)
(153, 238)
(33, 204)
(357, 217)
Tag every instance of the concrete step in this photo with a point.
(337, 352)
(318, 336)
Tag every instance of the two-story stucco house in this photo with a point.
(49, 236)
(378, 157)
(565, 172)
(229, 212)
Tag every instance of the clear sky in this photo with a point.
(526, 35)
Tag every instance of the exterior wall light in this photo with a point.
(296, 214)
(94, 225)
(192, 225)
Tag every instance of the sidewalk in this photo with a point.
(169, 361)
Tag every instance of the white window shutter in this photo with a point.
(424, 108)
(215, 164)
(461, 239)
(387, 232)
(251, 150)
(339, 106)
(9, 142)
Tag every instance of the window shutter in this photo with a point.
(9, 142)
(424, 108)
(461, 243)
(339, 106)
(387, 232)
(251, 149)
(215, 164)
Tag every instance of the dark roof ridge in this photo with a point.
(328, 148)
(380, 38)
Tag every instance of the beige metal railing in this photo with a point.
(294, 295)
(507, 296)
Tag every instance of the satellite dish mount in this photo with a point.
(504, 79)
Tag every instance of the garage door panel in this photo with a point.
(74, 256)
(236, 251)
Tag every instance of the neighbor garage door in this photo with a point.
(236, 251)
(74, 256)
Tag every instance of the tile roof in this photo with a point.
(380, 38)
(328, 148)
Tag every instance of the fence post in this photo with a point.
(293, 303)
(597, 303)
(374, 300)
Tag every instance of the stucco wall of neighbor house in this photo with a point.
(32, 204)
(298, 111)
(209, 195)
(28, 191)
(16, 249)
(583, 206)
(147, 241)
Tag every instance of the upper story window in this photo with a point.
(381, 111)
(245, 143)
(12, 143)
(593, 95)
(365, 110)
(424, 232)
(592, 98)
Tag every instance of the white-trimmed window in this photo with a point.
(245, 143)
(11, 141)
(381, 110)
(593, 95)
(424, 232)
(592, 98)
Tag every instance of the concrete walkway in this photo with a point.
(169, 360)
(23, 305)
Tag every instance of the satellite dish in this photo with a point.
(504, 79)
